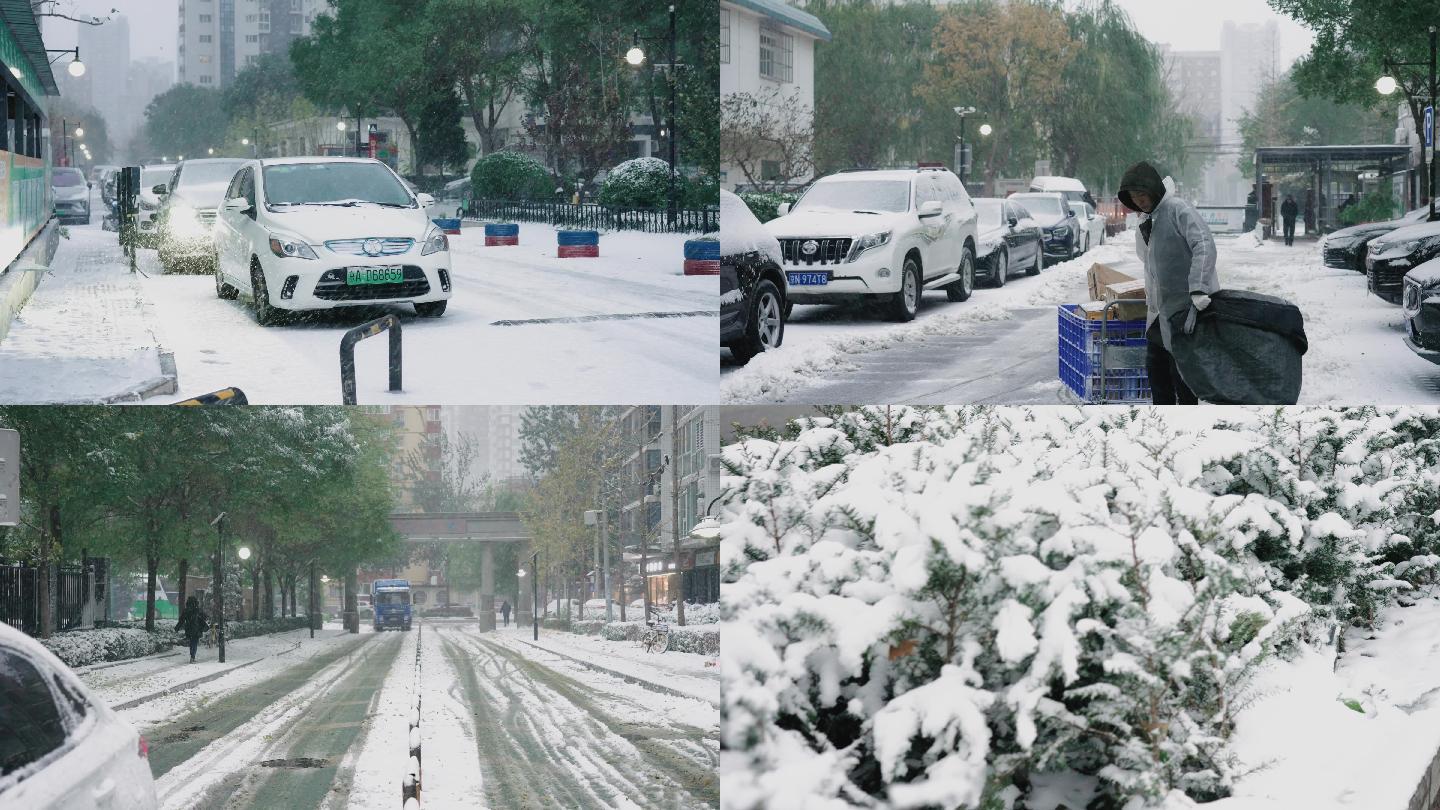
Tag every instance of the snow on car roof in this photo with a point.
(873, 174)
(1418, 231)
(1054, 182)
(741, 232)
(278, 161)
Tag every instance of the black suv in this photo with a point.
(1421, 301)
(1345, 248)
(753, 292)
(1393, 255)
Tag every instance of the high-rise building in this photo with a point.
(494, 431)
(1193, 78)
(690, 439)
(106, 52)
(1249, 58)
(218, 38)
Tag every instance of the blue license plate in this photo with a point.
(808, 279)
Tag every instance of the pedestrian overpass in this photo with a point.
(486, 528)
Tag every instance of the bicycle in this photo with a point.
(656, 638)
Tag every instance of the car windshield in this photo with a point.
(63, 177)
(989, 211)
(398, 598)
(1042, 203)
(858, 195)
(334, 183)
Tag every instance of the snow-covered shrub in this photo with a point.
(939, 607)
(78, 648)
(261, 627)
(587, 627)
(622, 631)
(637, 183)
(507, 175)
(699, 640)
(765, 205)
(701, 613)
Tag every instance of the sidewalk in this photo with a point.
(696, 676)
(86, 335)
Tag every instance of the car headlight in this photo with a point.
(869, 241)
(1060, 230)
(435, 242)
(290, 247)
(185, 222)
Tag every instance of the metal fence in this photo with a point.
(70, 597)
(20, 597)
(598, 217)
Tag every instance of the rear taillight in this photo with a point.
(144, 748)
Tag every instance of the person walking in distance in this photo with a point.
(1288, 212)
(505, 612)
(1178, 252)
(193, 624)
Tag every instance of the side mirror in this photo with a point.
(237, 204)
(930, 208)
(782, 209)
(426, 200)
(160, 190)
(1013, 221)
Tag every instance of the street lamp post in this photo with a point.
(960, 159)
(534, 592)
(219, 524)
(1386, 85)
(636, 56)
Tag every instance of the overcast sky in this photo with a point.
(1191, 25)
(152, 24)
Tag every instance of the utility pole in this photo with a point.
(219, 581)
(535, 598)
(675, 79)
(679, 595)
(605, 564)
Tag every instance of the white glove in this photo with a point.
(1200, 300)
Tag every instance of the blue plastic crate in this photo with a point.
(1081, 341)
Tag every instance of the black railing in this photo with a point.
(20, 598)
(70, 597)
(597, 217)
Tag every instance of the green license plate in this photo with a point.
(374, 275)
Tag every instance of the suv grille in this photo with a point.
(389, 246)
(827, 251)
(332, 286)
(1335, 257)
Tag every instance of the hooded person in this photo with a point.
(1178, 252)
(193, 623)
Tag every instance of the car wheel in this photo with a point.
(1002, 269)
(222, 290)
(266, 314)
(433, 309)
(765, 324)
(906, 303)
(961, 289)
(789, 308)
(1039, 262)
(1070, 256)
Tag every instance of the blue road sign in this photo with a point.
(1429, 127)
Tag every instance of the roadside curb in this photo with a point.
(188, 684)
(108, 664)
(410, 785)
(628, 678)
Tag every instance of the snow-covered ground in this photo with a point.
(523, 326)
(1000, 346)
(692, 674)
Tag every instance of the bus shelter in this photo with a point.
(1324, 179)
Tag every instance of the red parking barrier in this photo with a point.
(702, 267)
(492, 241)
(577, 251)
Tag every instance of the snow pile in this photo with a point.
(741, 232)
(640, 182)
(934, 607)
(80, 647)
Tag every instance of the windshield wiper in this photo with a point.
(877, 213)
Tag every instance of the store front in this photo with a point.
(699, 572)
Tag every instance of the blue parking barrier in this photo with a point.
(577, 237)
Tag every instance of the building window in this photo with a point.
(724, 36)
(205, 80)
(770, 171)
(206, 38)
(205, 18)
(775, 54)
(204, 59)
(252, 37)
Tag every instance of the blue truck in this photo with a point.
(390, 598)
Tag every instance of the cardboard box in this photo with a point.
(1127, 309)
(1101, 275)
(1124, 290)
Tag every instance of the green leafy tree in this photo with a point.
(483, 43)
(73, 116)
(186, 120)
(1284, 116)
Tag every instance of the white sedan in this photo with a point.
(311, 233)
(59, 746)
(1092, 226)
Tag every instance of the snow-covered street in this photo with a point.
(292, 722)
(1000, 346)
(523, 326)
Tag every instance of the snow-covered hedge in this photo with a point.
(78, 648)
(587, 627)
(949, 607)
(637, 183)
(765, 204)
(698, 640)
(261, 627)
(511, 176)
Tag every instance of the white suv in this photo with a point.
(310, 233)
(879, 234)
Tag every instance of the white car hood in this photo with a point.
(71, 192)
(317, 224)
(821, 222)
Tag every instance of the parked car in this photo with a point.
(1092, 225)
(1421, 303)
(59, 746)
(185, 223)
(107, 188)
(310, 233)
(1009, 239)
(98, 172)
(1059, 227)
(1068, 187)
(149, 206)
(882, 236)
(753, 302)
(1391, 256)
(71, 192)
(1346, 247)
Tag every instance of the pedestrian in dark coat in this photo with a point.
(193, 624)
(1288, 211)
(1178, 251)
(505, 611)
